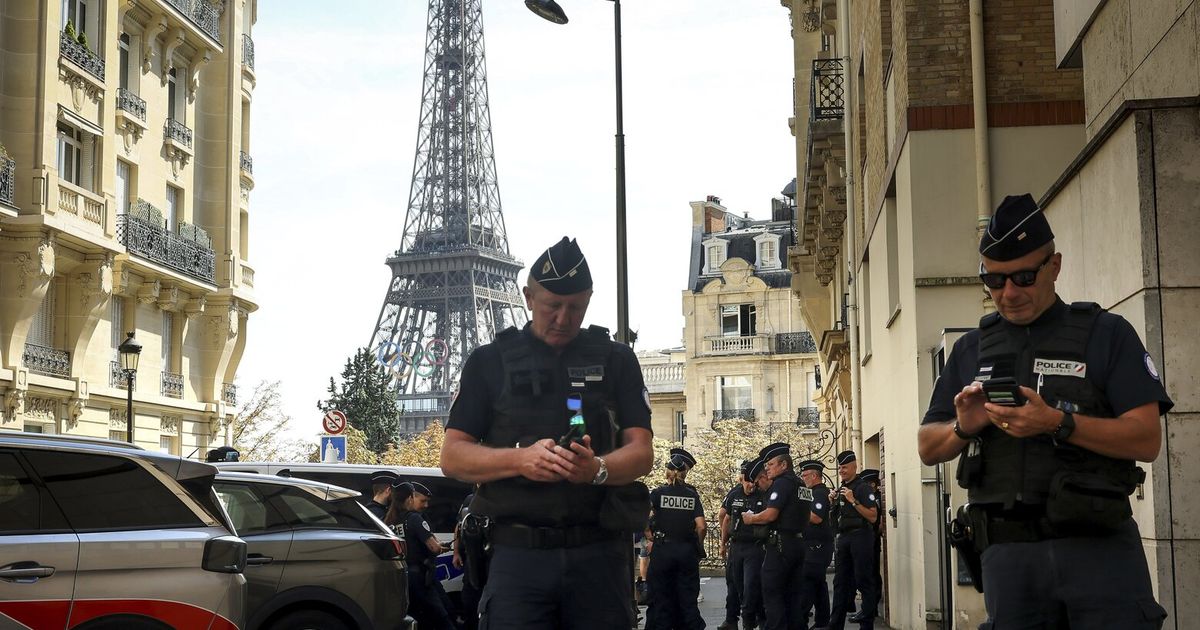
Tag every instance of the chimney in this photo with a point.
(709, 214)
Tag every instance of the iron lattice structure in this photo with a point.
(454, 283)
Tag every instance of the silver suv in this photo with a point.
(99, 535)
(317, 559)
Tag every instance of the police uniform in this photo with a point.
(674, 575)
(558, 559)
(783, 562)
(743, 567)
(818, 552)
(854, 552)
(470, 592)
(1053, 550)
(383, 476)
(428, 603)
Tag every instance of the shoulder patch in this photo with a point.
(871, 497)
(817, 506)
(1150, 366)
(646, 398)
(425, 524)
(774, 495)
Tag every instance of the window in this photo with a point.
(250, 513)
(893, 259)
(22, 504)
(119, 436)
(865, 322)
(442, 514)
(124, 171)
(166, 444)
(173, 197)
(767, 251)
(41, 330)
(76, 12)
(735, 392)
(100, 492)
(123, 70)
(168, 342)
(175, 110)
(715, 252)
(70, 154)
(738, 320)
(680, 426)
(303, 510)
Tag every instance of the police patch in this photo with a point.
(871, 497)
(817, 506)
(804, 494)
(646, 397)
(1150, 366)
(425, 524)
(1054, 367)
(774, 495)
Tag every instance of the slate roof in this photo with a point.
(742, 245)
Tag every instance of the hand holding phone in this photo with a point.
(1003, 391)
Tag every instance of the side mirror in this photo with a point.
(224, 554)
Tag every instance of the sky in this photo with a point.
(707, 87)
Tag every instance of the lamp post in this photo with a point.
(129, 350)
(550, 10)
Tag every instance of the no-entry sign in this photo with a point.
(334, 422)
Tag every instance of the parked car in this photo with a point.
(317, 558)
(100, 535)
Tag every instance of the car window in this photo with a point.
(353, 481)
(102, 492)
(306, 510)
(248, 510)
(22, 506)
(448, 495)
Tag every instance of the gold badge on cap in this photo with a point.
(546, 267)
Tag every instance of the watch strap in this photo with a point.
(962, 435)
(1065, 428)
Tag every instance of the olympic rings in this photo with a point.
(413, 357)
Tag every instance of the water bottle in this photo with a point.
(577, 427)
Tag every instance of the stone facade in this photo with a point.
(127, 126)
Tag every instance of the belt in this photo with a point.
(1023, 527)
(548, 537)
(851, 529)
(663, 538)
(786, 535)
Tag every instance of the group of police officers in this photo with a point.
(779, 533)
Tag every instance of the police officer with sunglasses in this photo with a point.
(1048, 406)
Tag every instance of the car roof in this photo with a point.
(323, 490)
(177, 467)
(274, 467)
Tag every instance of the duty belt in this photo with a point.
(548, 537)
(1019, 527)
(777, 535)
(661, 537)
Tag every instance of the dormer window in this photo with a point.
(716, 250)
(766, 247)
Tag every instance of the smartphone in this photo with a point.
(1003, 391)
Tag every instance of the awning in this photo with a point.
(76, 120)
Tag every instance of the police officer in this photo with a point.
(742, 546)
(428, 603)
(462, 560)
(818, 545)
(788, 505)
(871, 477)
(381, 492)
(677, 519)
(1050, 404)
(855, 546)
(558, 559)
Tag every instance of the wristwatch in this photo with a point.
(1065, 428)
(958, 430)
(601, 474)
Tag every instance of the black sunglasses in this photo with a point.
(1023, 278)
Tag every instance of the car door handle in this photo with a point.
(257, 559)
(25, 572)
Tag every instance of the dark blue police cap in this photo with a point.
(420, 488)
(772, 451)
(384, 476)
(845, 457)
(756, 468)
(744, 467)
(811, 464)
(562, 269)
(684, 457)
(869, 474)
(1017, 227)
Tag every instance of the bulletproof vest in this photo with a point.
(793, 518)
(674, 511)
(1053, 362)
(753, 502)
(532, 405)
(822, 530)
(848, 516)
(416, 548)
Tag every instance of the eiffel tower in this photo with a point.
(454, 283)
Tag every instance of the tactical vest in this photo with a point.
(1019, 470)
(823, 530)
(532, 405)
(793, 518)
(674, 510)
(848, 517)
(741, 532)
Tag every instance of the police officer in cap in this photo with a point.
(854, 553)
(222, 454)
(1050, 405)
(818, 545)
(789, 504)
(742, 546)
(562, 511)
(677, 519)
(428, 601)
(871, 476)
(382, 483)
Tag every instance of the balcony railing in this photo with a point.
(117, 378)
(202, 14)
(229, 393)
(8, 181)
(732, 414)
(179, 132)
(808, 417)
(752, 344)
(80, 202)
(247, 276)
(132, 103)
(795, 342)
(47, 361)
(246, 162)
(247, 50)
(81, 56)
(171, 385)
(826, 91)
(143, 232)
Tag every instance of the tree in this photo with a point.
(258, 427)
(366, 397)
(423, 449)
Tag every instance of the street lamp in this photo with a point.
(550, 10)
(130, 350)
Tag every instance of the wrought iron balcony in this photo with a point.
(179, 132)
(143, 232)
(808, 417)
(247, 50)
(8, 181)
(246, 162)
(81, 56)
(116, 376)
(826, 91)
(202, 14)
(171, 385)
(795, 342)
(229, 393)
(47, 361)
(732, 414)
(132, 103)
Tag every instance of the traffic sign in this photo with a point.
(334, 422)
(333, 449)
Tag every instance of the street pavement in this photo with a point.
(712, 609)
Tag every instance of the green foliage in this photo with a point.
(70, 29)
(365, 395)
(423, 449)
(83, 40)
(258, 426)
